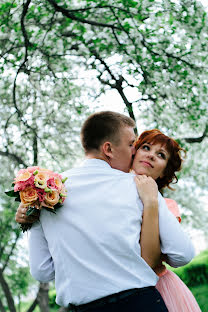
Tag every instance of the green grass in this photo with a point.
(196, 272)
(201, 294)
(24, 306)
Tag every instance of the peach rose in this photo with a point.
(41, 179)
(58, 182)
(51, 199)
(28, 196)
(23, 176)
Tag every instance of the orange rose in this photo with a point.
(28, 196)
(51, 199)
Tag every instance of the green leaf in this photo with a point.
(50, 210)
(31, 211)
(17, 199)
(25, 227)
(12, 193)
(58, 206)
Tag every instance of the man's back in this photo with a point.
(94, 238)
(91, 245)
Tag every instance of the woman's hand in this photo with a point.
(21, 216)
(147, 189)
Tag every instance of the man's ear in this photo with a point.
(107, 149)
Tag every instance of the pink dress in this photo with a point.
(177, 296)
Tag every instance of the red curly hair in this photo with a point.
(155, 136)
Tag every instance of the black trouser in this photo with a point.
(146, 299)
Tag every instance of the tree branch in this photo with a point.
(169, 55)
(11, 252)
(117, 85)
(27, 43)
(98, 7)
(14, 157)
(198, 139)
(70, 15)
(33, 305)
(2, 309)
(7, 293)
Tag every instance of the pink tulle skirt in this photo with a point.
(177, 296)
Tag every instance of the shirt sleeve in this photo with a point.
(175, 244)
(41, 262)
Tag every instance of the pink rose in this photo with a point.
(32, 169)
(41, 194)
(21, 185)
(51, 184)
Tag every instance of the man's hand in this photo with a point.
(147, 189)
(22, 218)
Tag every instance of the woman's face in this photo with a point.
(151, 160)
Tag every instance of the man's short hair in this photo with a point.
(101, 127)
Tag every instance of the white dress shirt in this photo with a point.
(91, 245)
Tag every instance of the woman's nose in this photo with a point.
(151, 156)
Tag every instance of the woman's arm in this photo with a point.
(149, 238)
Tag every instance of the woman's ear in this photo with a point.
(107, 149)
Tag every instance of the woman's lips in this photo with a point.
(146, 163)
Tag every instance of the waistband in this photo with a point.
(108, 299)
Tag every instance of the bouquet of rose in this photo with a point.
(38, 188)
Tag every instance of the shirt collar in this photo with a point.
(95, 162)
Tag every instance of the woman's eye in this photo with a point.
(145, 147)
(161, 155)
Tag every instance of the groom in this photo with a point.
(91, 246)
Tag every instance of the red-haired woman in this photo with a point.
(159, 157)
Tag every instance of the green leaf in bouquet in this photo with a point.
(18, 198)
(25, 227)
(50, 210)
(32, 211)
(58, 206)
(12, 193)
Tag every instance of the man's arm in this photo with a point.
(175, 244)
(41, 262)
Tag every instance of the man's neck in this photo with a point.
(96, 156)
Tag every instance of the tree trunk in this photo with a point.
(7, 293)
(42, 297)
(33, 305)
(2, 309)
(62, 309)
